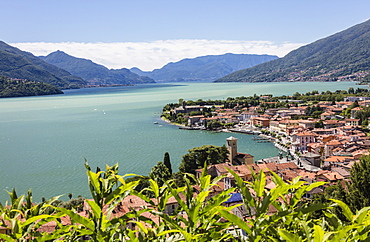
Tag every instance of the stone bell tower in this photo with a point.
(231, 145)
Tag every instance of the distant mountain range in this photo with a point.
(15, 63)
(342, 56)
(92, 73)
(204, 68)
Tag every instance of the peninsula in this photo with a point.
(324, 132)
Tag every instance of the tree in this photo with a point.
(198, 157)
(143, 182)
(351, 90)
(160, 173)
(213, 124)
(167, 161)
(319, 124)
(354, 104)
(359, 189)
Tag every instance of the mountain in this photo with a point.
(204, 68)
(15, 63)
(92, 73)
(342, 56)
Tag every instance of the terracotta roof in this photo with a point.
(244, 169)
(306, 121)
(334, 143)
(306, 174)
(343, 172)
(360, 152)
(244, 155)
(289, 174)
(327, 113)
(270, 185)
(268, 167)
(336, 159)
(135, 202)
(289, 121)
(331, 121)
(315, 145)
(222, 167)
(333, 176)
(288, 165)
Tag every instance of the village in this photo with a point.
(312, 150)
(315, 149)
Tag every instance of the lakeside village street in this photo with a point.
(317, 149)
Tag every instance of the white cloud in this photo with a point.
(150, 55)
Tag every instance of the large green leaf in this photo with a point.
(76, 218)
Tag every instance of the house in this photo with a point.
(243, 158)
(274, 126)
(307, 123)
(285, 124)
(247, 116)
(5, 230)
(195, 120)
(187, 109)
(235, 199)
(329, 176)
(343, 172)
(352, 122)
(336, 161)
(330, 146)
(353, 98)
(329, 124)
(264, 122)
(327, 115)
(301, 140)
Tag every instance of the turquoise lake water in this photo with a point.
(44, 140)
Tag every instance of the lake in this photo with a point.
(44, 140)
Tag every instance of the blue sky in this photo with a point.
(150, 33)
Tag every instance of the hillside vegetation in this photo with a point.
(15, 63)
(92, 73)
(20, 88)
(342, 56)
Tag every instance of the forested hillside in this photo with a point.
(20, 88)
(342, 56)
(15, 63)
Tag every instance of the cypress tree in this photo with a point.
(167, 161)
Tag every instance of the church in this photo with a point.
(235, 157)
